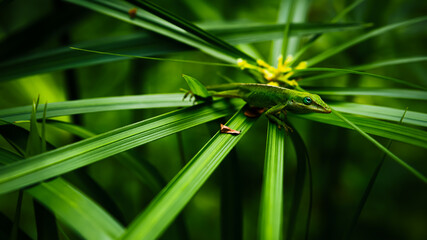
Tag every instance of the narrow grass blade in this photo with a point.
(271, 207)
(43, 130)
(334, 50)
(381, 92)
(239, 33)
(276, 47)
(313, 39)
(74, 129)
(302, 160)
(300, 15)
(189, 27)
(368, 189)
(147, 45)
(88, 185)
(16, 137)
(390, 62)
(384, 113)
(359, 73)
(141, 44)
(393, 131)
(97, 105)
(156, 58)
(34, 142)
(7, 157)
(45, 220)
(74, 208)
(346, 10)
(172, 199)
(119, 10)
(385, 63)
(289, 11)
(85, 152)
(142, 169)
(383, 149)
(290, 15)
(15, 233)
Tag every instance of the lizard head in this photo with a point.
(305, 102)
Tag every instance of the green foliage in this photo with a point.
(184, 185)
(82, 153)
(118, 154)
(270, 220)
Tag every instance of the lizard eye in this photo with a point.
(307, 100)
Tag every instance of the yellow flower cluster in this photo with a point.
(274, 75)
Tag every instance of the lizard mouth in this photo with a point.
(327, 110)
(322, 109)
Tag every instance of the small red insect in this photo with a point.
(132, 13)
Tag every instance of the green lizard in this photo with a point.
(270, 99)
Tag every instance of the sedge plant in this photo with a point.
(147, 164)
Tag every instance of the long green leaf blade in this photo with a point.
(382, 92)
(142, 169)
(63, 58)
(393, 131)
(164, 208)
(302, 166)
(364, 67)
(189, 27)
(334, 50)
(73, 156)
(71, 206)
(34, 142)
(238, 33)
(119, 10)
(368, 189)
(360, 73)
(271, 215)
(7, 157)
(313, 39)
(76, 210)
(390, 62)
(291, 6)
(384, 113)
(149, 44)
(344, 12)
(382, 148)
(97, 105)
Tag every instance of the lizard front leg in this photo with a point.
(271, 115)
(193, 97)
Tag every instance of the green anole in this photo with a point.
(269, 99)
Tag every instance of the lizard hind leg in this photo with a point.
(253, 112)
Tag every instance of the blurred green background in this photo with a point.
(342, 161)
